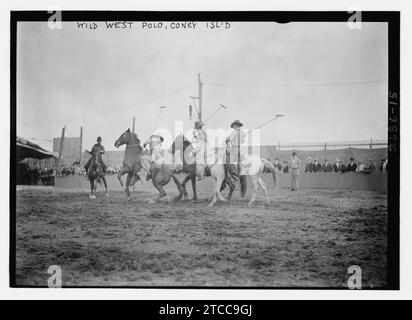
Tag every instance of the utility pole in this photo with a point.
(61, 149)
(200, 84)
(134, 119)
(81, 146)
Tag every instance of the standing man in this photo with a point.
(233, 142)
(316, 166)
(309, 165)
(295, 171)
(351, 166)
(98, 147)
(199, 142)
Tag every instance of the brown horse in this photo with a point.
(95, 174)
(131, 159)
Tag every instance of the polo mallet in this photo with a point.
(221, 106)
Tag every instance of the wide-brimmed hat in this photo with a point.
(156, 137)
(199, 124)
(236, 123)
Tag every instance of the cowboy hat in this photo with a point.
(199, 124)
(156, 137)
(236, 123)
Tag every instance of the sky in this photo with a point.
(328, 80)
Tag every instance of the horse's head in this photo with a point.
(180, 143)
(123, 139)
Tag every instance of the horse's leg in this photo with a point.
(161, 190)
(179, 187)
(218, 186)
(105, 186)
(92, 196)
(223, 187)
(120, 174)
(129, 177)
(255, 187)
(185, 180)
(194, 187)
(231, 185)
(262, 184)
(214, 195)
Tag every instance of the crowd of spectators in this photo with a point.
(35, 176)
(338, 166)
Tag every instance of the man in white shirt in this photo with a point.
(233, 143)
(155, 150)
(199, 142)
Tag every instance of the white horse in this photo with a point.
(254, 166)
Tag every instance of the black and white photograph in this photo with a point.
(190, 150)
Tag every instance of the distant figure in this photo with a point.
(277, 165)
(316, 166)
(309, 165)
(295, 164)
(360, 167)
(285, 167)
(336, 165)
(342, 167)
(371, 166)
(351, 166)
(384, 165)
(326, 166)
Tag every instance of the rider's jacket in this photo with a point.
(98, 147)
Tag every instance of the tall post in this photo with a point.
(134, 119)
(61, 149)
(200, 96)
(81, 146)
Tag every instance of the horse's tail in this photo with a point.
(179, 187)
(243, 185)
(269, 165)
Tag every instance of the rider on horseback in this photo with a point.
(234, 153)
(98, 147)
(198, 142)
(154, 148)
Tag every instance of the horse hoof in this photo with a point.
(92, 197)
(250, 204)
(194, 199)
(210, 205)
(108, 195)
(151, 201)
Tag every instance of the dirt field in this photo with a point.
(301, 239)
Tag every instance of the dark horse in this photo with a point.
(95, 174)
(189, 167)
(131, 159)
